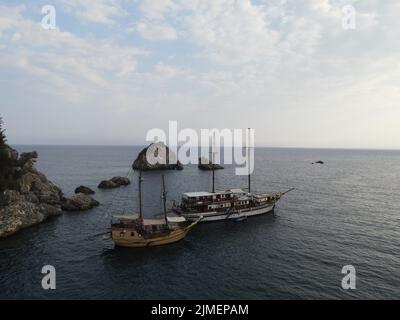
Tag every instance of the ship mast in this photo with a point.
(248, 150)
(164, 198)
(140, 195)
(212, 164)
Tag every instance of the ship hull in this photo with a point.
(219, 216)
(128, 238)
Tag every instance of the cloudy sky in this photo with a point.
(113, 69)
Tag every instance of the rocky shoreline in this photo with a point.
(27, 197)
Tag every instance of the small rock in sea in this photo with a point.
(205, 164)
(121, 181)
(107, 184)
(84, 190)
(114, 183)
(79, 202)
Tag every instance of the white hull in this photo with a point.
(218, 216)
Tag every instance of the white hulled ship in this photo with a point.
(237, 204)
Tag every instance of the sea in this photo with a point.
(345, 212)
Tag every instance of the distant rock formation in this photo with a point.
(80, 202)
(164, 159)
(113, 183)
(84, 190)
(205, 164)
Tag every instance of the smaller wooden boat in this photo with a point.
(134, 231)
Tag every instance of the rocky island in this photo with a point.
(166, 159)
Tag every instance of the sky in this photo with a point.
(112, 70)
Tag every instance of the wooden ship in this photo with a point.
(134, 231)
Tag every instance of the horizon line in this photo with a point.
(260, 147)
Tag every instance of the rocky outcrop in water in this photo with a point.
(121, 181)
(162, 159)
(205, 164)
(107, 184)
(27, 197)
(80, 202)
(113, 183)
(84, 190)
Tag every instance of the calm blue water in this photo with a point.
(344, 212)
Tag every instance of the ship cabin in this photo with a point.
(146, 226)
(262, 198)
(208, 201)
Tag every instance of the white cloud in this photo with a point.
(9, 16)
(61, 60)
(156, 9)
(285, 63)
(166, 71)
(153, 25)
(231, 31)
(97, 11)
(156, 31)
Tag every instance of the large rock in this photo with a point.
(80, 202)
(162, 159)
(205, 164)
(12, 154)
(19, 211)
(84, 190)
(27, 156)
